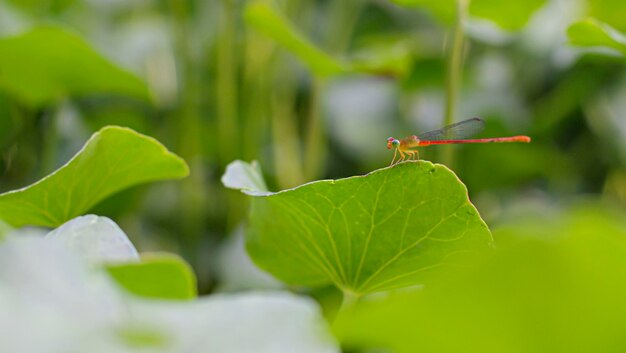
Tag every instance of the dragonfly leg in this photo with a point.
(402, 157)
(395, 152)
(412, 154)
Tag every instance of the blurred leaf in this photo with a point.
(162, 276)
(4, 229)
(593, 33)
(9, 124)
(383, 59)
(270, 22)
(123, 202)
(425, 72)
(48, 295)
(42, 7)
(444, 10)
(97, 239)
(576, 87)
(98, 112)
(47, 64)
(370, 233)
(552, 286)
(142, 337)
(509, 15)
(612, 12)
(234, 269)
(246, 177)
(113, 159)
(259, 322)
(53, 302)
(548, 165)
(389, 57)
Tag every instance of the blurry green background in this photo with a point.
(220, 80)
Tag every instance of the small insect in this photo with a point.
(454, 133)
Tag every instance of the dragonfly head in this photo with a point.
(392, 143)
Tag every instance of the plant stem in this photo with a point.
(193, 191)
(454, 74)
(256, 111)
(50, 140)
(226, 76)
(349, 301)
(288, 163)
(315, 147)
(343, 17)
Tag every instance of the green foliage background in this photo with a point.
(311, 89)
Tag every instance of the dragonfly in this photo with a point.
(451, 134)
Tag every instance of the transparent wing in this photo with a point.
(460, 130)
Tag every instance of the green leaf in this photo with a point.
(509, 15)
(554, 281)
(47, 64)
(273, 24)
(163, 276)
(113, 159)
(593, 33)
(384, 230)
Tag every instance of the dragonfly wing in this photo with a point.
(460, 130)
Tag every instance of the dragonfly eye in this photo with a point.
(395, 143)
